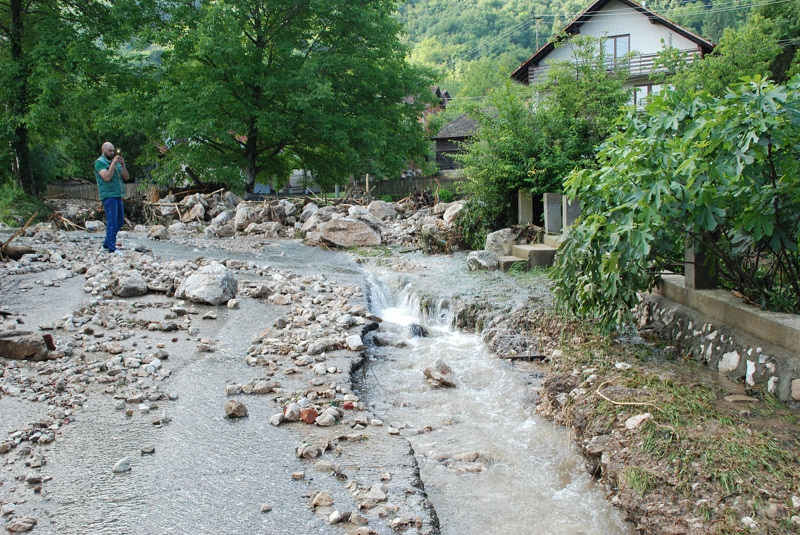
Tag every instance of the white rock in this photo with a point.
(501, 242)
(346, 232)
(729, 362)
(635, 421)
(123, 465)
(482, 260)
(354, 343)
(213, 284)
(452, 212)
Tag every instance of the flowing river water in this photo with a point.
(526, 478)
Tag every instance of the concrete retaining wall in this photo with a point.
(736, 354)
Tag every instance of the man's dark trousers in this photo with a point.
(115, 217)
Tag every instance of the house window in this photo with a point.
(616, 47)
(642, 92)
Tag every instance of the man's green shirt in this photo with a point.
(114, 187)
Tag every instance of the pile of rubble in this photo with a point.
(346, 223)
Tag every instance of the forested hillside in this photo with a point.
(453, 36)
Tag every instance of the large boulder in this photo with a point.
(321, 215)
(289, 208)
(382, 210)
(223, 217)
(196, 213)
(225, 230)
(231, 199)
(213, 284)
(452, 213)
(308, 210)
(482, 260)
(441, 208)
(128, 283)
(346, 232)
(501, 242)
(169, 210)
(246, 214)
(20, 345)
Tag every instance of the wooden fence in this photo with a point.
(86, 192)
(402, 187)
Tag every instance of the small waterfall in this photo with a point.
(489, 464)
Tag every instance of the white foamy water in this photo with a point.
(533, 481)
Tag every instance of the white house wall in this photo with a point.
(617, 18)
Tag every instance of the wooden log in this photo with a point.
(15, 252)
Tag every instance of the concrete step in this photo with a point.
(507, 261)
(537, 254)
(554, 240)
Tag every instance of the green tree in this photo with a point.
(252, 89)
(722, 171)
(57, 68)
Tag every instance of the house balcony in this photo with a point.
(636, 64)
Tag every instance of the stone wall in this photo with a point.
(742, 358)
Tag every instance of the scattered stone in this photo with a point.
(128, 283)
(235, 409)
(297, 476)
(158, 232)
(21, 525)
(483, 261)
(266, 508)
(123, 465)
(309, 415)
(354, 343)
(148, 450)
(18, 345)
(291, 413)
(635, 421)
(323, 498)
(440, 374)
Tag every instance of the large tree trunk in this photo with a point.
(251, 155)
(19, 144)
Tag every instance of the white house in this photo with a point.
(627, 29)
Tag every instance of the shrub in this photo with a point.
(445, 195)
(16, 206)
(724, 172)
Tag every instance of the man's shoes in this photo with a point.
(118, 252)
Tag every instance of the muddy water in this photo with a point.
(531, 481)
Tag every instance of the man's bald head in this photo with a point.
(108, 150)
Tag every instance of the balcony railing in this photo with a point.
(636, 64)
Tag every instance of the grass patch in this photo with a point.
(639, 480)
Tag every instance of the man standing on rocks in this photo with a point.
(110, 172)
